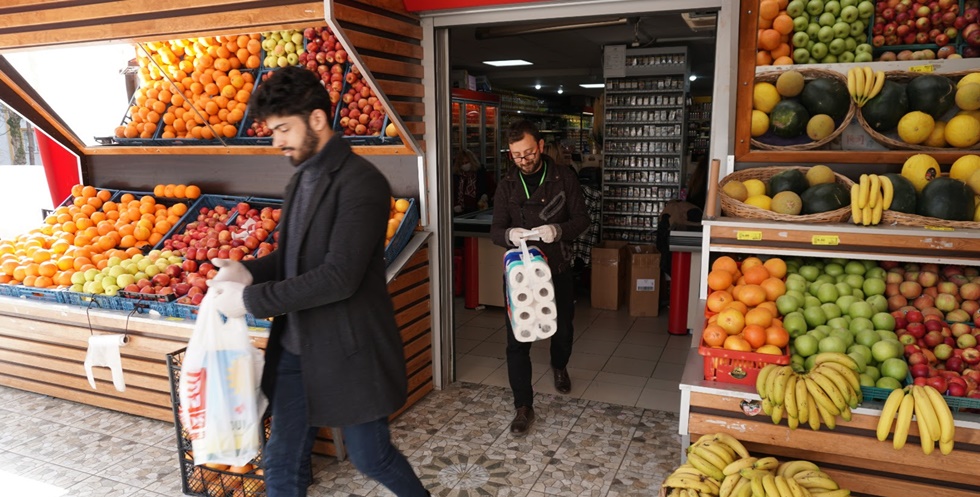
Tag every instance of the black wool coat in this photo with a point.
(353, 363)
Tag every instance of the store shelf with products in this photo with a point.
(481, 132)
(698, 126)
(644, 142)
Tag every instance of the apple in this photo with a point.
(966, 341)
(914, 316)
(971, 355)
(937, 382)
(956, 390)
(955, 364)
(941, 350)
(919, 370)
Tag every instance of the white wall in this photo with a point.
(22, 201)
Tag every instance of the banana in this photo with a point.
(946, 428)
(777, 413)
(809, 481)
(869, 81)
(879, 82)
(855, 206)
(888, 412)
(789, 397)
(820, 396)
(758, 490)
(847, 373)
(827, 417)
(859, 86)
(903, 421)
(802, 408)
(865, 184)
(795, 488)
(925, 436)
(843, 386)
(753, 474)
(866, 215)
(887, 192)
(814, 415)
(769, 485)
(812, 473)
(876, 212)
(792, 422)
(783, 486)
(852, 84)
(845, 413)
(771, 383)
(923, 407)
(689, 471)
(779, 386)
(830, 389)
(842, 359)
(840, 492)
(760, 381)
(739, 465)
(792, 468)
(733, 443)
(728, 485)
(704, 452)
(767, 406)
(744, 488)
(945, 447)
(766, 464)
(705, 466)
(692, 483)
(725, 452)
(875, 190)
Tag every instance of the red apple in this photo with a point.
(937, 382)
(971, 356)
(956, 390)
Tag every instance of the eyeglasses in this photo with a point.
(528, 157)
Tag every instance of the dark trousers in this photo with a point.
(287, 454)
(519, 353)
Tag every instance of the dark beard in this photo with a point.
(307, 149)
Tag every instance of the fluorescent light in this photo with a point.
(537, 86)
(693, 77)
(561, 90)
(507, 63)
(592, 85)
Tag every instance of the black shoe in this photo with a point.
(522, 420)
(562, 382)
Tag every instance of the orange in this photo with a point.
(725, 263)
(755, 335)
(76, 190)
(751, 295)
(192, 191)
(47, 268)
(783, 50)
(738, 343)
(713, 335)
(719, 279)
(8, 267)
(774, 288)
(769, 306)
(755, 274)
(777, 335)
(731, 320)
(770, 349)
(89, 191)
(740, 307)
(783, 24)
(717, 300)
(785, 60)
(750, 262)
(762, 58)
(768, 9)
(776, 267)
(758, 316)
(159, 190)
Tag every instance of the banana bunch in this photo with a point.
(863, 84)
(790, 479)
(740, 474)
(932, 414)
(703, 472)
(869, 197)
(830, 389)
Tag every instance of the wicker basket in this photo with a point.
(734, 208)
(891, 139)
(771, 142)
(903, 219)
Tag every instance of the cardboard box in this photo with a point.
(609, 274)
(462, 79)
(491, 273)
(644, 280)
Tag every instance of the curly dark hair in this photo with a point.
(516, 131)
(290, 91)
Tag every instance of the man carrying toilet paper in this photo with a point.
(541, 202)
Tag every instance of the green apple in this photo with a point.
(77, 288)
(883, 350)
(795, 324)
(90, 274)
(125, 280)
(855, 267)
(849, 14)
(140, 275)
(810, 301)
(873, 372)
(800, 39)
(78, 278)
(862, 57)
(858, 29)
(814, 316)
(866, 9)
(864, 350)
(809, 272)
(806, 345)
(858, 324)
(844, 302)
(873, 286)
(851, 44)
(860, 309)
(888, 335)
(797, 284)
(833, 269)
(846, 336)
(152, 270)
(867, 338)
(831, 310)
(843, 289)
(832, 7)
(846, 57)
(858, 293)
(888, 383)
(838, 322)
(800, 24)
(895, 367)
(841, 30)
(813, 29)
(878, 303)
(111, 290)
(832, 344)
(883, 321)
(847, 3)
(796, 8)
(836, 47)
(796, 294)
(863, 48)
(814, 7)
(866, 380)
(108, 281)
(876, 272)
(820, 332)
(827, 292)
(786, 304)
(859, 359)
(827, 19)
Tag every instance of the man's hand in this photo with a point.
(515, 235)
(228, 298)
(230, 270)
(547, 233)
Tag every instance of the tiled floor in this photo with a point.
(615, 435)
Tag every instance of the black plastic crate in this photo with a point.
(404, 232)
(193, 210)
(211, 481)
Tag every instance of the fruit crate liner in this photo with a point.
(201, 480)
(193, 210)
(733, 366)
(404, 232)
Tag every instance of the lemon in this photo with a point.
(754, 187)
(968, 96)
(915, 127)
(962, 131)
(820, 126)
(790, 83)
(969, 78)
(820, 174)
(760, 201)
(764, 97)
(937, 138)
(964, 167)
(736, 190)
(760, 123)
(920, 169)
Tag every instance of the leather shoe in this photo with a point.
(562, 382)
(522, 420)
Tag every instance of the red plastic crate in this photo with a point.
(733, 366)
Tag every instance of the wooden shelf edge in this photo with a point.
(844, 156)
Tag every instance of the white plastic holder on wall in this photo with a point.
(530, 294)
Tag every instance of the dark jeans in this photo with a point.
(287, 454)
(519, 353)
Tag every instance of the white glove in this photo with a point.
(228, 298)
(230, 270)
(547, 233)
(515, 235)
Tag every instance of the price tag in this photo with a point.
(752, 236)
(922, 68)
(938, 228)
(825, 240)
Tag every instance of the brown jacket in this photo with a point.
(557, 201)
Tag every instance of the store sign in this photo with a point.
(424, 5)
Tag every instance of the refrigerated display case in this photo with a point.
(475, 126)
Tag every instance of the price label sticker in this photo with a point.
(922, 68)
(938, 228)
(752, 236)
(825, 240)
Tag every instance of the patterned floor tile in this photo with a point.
(609, 420)
(18, 464)
(627, 484)
(443, 462)
(340, 478)
(104, 421)
(654, 425)
(58, 476)
(145, 463)
(651, 458)
(55, 446)
(574, 480)
(17, 429)
(167, 483)
(408, 441)
(54, 409)
(592, 449)
(477, 424)
(11, 396)
(95, 486)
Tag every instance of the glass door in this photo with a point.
(456, 134)
(473, 133)
(492, 147)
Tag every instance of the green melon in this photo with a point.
(932, 94)
(826, 96)
(884, 111)
(788, 119)
(947, 198)
(825, 197)
(789, 180)
(905, 197)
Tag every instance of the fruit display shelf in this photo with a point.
(126, 119)
(209, 201)
(923, 35)
(404, 232)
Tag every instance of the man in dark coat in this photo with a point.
(334, 355)
(539, 200)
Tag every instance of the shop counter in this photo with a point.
(851, 453)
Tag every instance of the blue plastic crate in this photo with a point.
(255, 322)
(90, 300)
(40, 294)
(404, 232)
(8, 290)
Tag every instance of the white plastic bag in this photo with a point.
(221, 402)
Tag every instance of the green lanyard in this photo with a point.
(543, 174)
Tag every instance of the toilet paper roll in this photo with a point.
(521, 316)
(103, 351)
(545, 329)
(543, 291)
(517, 277)
(526, 333)
(545, 311)
(521, 297)
(539, 270)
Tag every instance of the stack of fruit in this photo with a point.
(929, 111)
(921, 188)
(794, 110)
(814, 31)
(904, 22)
(741, 307)
(932, 414)
(282, 48)
(719, 465)
(830, 389)
(791, 192)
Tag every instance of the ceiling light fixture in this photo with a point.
(592, 85)
(693, 77)
(537, 86)
(507, 63)
(543, 27)
(561, 90)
